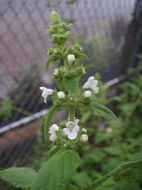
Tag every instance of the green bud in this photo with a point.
(56, 72)
(55, 18)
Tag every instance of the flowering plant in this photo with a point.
(56, 173)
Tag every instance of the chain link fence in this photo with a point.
(100, 26)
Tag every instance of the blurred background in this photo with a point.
(110, 33)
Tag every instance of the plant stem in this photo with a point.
(71, 112)
(22, 111)
(127, 165)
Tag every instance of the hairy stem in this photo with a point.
(127, 165)
(71, 112)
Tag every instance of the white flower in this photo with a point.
(71, 58)
(72, 129)
(45, 93)
(92, 83)
(87, 93)
(61, 95)
(84, 130)
(53, 137)
(52, 132)
(84, 138)
(53, 129)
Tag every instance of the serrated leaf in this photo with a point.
(55, 18)
(56, 172)
(103, 111)
(19, 177)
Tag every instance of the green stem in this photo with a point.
(71, 112)
(126, 165)
(22, 111)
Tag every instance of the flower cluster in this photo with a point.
(71, 132)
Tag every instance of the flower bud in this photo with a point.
(109, 130)
(53, 137)
(84, 138)
(87, 94)
(83, 70)
(84, 130)
(61, 95)
(56, 72)
(71, 58)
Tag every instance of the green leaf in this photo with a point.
(101, 137)
(97, 155)
(82, 56)
(82, 179)
(56, 172)
(114, 150)
(71, 84)
(103, 111)
(19, 177)
(50, 60)
(55, 18)
(7, 107)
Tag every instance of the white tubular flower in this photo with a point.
(61, 95)
(87, 94)
(84, 130)
(45, 93)
(53, 129)
(71, 58)
(53, 137)
(72, 129)
(84, 138)
(92, 83)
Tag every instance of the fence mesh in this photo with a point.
(99, 25)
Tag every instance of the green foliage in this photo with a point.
(55, 18)
(56, 172)
(102, 111)
(19, 177)
(111, 142)
(7, 108)
(98, 49)
(82, 180)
